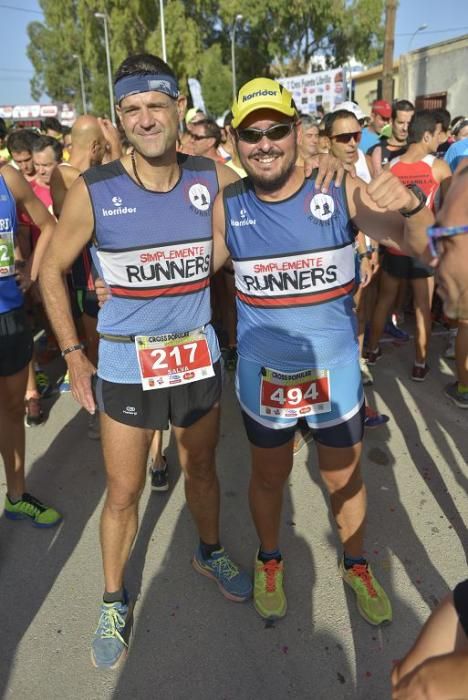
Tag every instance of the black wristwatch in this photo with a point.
(422, 201)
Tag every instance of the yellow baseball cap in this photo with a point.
(261, 93)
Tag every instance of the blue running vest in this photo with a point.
(154, 252)
(294, 271)
(11, 296)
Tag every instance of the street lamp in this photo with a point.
(163, 30)
(83, 94)
(103, 16)
(422, 28)
(233, 55)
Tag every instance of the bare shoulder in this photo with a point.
(77, 201)
(14, 180)
(68, 173)
(441, 170)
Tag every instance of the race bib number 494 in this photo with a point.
(173, 359)
(295, 394)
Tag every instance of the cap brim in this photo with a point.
(285, 111)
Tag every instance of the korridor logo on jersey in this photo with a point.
(199, 196)
(322, 206)
(118, 209)
(245, 219)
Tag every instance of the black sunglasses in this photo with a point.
(346, 138)
(273, 133)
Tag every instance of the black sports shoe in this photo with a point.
(159, 478)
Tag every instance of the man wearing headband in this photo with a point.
(292, 251)
(149, 216)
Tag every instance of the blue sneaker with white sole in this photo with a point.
(233, 583)
(110, 642)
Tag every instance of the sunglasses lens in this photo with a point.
(346, 138)
(278, 132)
(274, 133)
(250, 135)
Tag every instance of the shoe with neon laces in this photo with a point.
(372, 601)
(65, 386)
(29, 508)
(458, 397)
(233, 583)
(111, 639)
(43, 384)
(269, 598)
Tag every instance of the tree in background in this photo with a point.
(277, 38)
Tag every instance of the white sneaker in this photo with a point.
(366, 375)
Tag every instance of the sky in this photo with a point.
(444, 20)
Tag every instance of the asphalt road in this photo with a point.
(189, 642)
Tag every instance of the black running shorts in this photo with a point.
(181, 406)
(460, 599)
(16, 342)
(404, 267)
(344, 434)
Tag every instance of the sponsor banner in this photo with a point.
(325, 88)
(288, 280)
(149, 272)
(65, 113)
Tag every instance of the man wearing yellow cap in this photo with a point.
(292, 250)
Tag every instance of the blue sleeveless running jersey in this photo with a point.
(154, 251)
(294, 271)
(11, 296)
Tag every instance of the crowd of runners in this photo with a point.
(159, 255)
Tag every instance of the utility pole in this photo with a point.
(389, 43)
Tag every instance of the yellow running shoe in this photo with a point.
(269, 597)
(372, 601)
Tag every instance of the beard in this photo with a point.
(270, 181)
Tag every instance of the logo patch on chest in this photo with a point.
(322, 206)
(199, 196)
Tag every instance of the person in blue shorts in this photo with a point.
(291, 247)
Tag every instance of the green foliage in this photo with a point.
(217, 94)
(275, 38)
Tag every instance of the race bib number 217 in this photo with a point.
(173, 359)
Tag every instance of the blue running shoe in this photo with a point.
(395, 332)
(110, 642)
(233, 583)
(374, 419)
